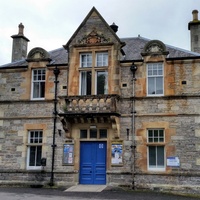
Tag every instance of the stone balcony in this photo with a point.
(90, 109)
(90, 104)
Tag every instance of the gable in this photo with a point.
(93, 30)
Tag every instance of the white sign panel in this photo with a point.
(173, 162)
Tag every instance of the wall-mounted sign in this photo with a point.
(68, 154)
(117, 154)
(173, 162)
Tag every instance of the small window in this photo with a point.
(155, 79)
(102, 59)
(34, 149)
(156, 149)
(102, 133)
(156, 135)
(86, 60)
(38, 83)
(83, 133)
(93, 133)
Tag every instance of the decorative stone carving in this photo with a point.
(38, 54)
(94, 38)
(66, 127)
(115, 126)
(154, 47)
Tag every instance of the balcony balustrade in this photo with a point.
(90, 104)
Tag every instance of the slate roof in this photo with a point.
(132, 50)
(135, 45)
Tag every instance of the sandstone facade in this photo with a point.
(125, 116)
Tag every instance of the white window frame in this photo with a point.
(94, 69)
(81, 92)
(159, 142)
(155, 77)
(33, 144)
(105, 86)
(37, 81)
(103, 59)
(87, 64)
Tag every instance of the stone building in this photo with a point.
(102, 110)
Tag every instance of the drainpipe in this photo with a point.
(133, 69)
(56, 72)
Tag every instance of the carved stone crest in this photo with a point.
(94, 38)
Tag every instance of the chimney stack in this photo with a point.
(20, 45)
(194, 27)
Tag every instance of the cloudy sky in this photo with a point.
(50, 23)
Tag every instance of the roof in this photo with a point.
(132, 50)
(135, 45)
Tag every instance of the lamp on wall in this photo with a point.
(133, 69)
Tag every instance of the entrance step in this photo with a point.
(86, 188)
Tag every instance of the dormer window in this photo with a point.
(93, 73)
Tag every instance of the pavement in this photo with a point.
(86, 192)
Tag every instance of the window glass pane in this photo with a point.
(155, 133)
(42, 89)
(160, 156)
(150, 72)
(103, 133)
(154, 70)
(102, 59)
(152, 156)
(40, 137)
(93, 133)
(86, 60)
(36, 137)
(159, 85)
(83, 133)
(32, 156)
(150, 133)
(38, 155)
(102, 83)
(161, 136)
(86, 83)
(151, 85)
(36, 87)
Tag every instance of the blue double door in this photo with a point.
(92, 163)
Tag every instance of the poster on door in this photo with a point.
(117, 154)
(68, 154)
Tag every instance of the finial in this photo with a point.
(21, 29)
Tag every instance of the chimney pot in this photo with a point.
(21, 29)
(195, 15)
